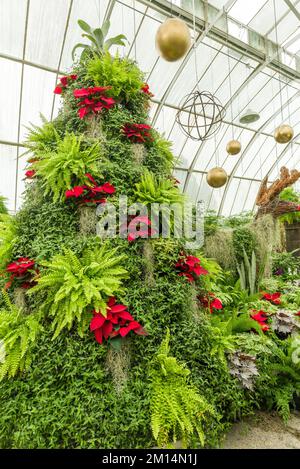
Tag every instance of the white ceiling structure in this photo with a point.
(238, 60)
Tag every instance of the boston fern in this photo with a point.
(18, 333)
(67, 166)
(157, 190)
(42, 138)
(177, 410)
(74, 286)
(8, 238)
(98, 40)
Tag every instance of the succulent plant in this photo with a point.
(243, 367)
(284, 322)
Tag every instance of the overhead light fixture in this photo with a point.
(249, 117)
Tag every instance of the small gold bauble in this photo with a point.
(173, 39)
(233, 147)
(284, 133)
(216, 177)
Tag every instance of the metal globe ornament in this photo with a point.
(284, 133)
(173, 39)
(216, 177)
(200, 115)
(233, 147)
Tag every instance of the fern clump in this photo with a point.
(8, 238)
(75, 285)
(3, 208)
(152, 189)
(42, 138)
(67, 166)
(178, 411)
(124, 78)
(18, 334)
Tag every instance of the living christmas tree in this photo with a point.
(106, 342)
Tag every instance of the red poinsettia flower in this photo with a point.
(30, 173)
(118, 321)
(21, 269)
(64, 81)
(144, 231)
(261, 317)
(190, 267)
(93, 100)
(137, 133)
(90, 193)
(297, 314)
(210, 301)
(145, 89)
(273, 298)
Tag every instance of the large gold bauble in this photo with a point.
(233, 147)
(173, 39)
(216, 177)
(284, 133)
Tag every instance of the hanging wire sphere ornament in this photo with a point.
(200, 115)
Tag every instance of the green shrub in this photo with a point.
(290, 195)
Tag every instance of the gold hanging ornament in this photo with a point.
(216, 177)
(233, 147)
(173, 39)
(284, 133)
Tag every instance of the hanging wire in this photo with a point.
(278, 58)
(230, 83)
(195, 46)
(134, 28)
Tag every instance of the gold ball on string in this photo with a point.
(284, 133)
(173, 39)
(233, 147)
(216, 177)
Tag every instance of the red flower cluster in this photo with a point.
(145, 89)
(137, 133)
(22, 270)
(190, 267)
(210, 301)
(92, 194)
(30, 173)
(141, 222)
(118, 322)
(261, 317)
(64, 81)
(273, 298)
(93, 100)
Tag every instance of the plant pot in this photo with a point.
(293, 237)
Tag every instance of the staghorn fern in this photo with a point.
(97, 38)
(18, 334)
(177, 410)
(76, 285)
(67, 166)
(157, 190)
(8, 238)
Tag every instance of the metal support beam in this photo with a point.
(293, 8)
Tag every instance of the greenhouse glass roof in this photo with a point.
(247, 54)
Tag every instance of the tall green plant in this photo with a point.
(75, 285)
(67, 165)
(177, 410)
(248, 274)
(99, 44)
(18, 334)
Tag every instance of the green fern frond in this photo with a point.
(18, 334)
(66, 166)
(8, 238)
(178, 411)
(75, 285)
(157, 190)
